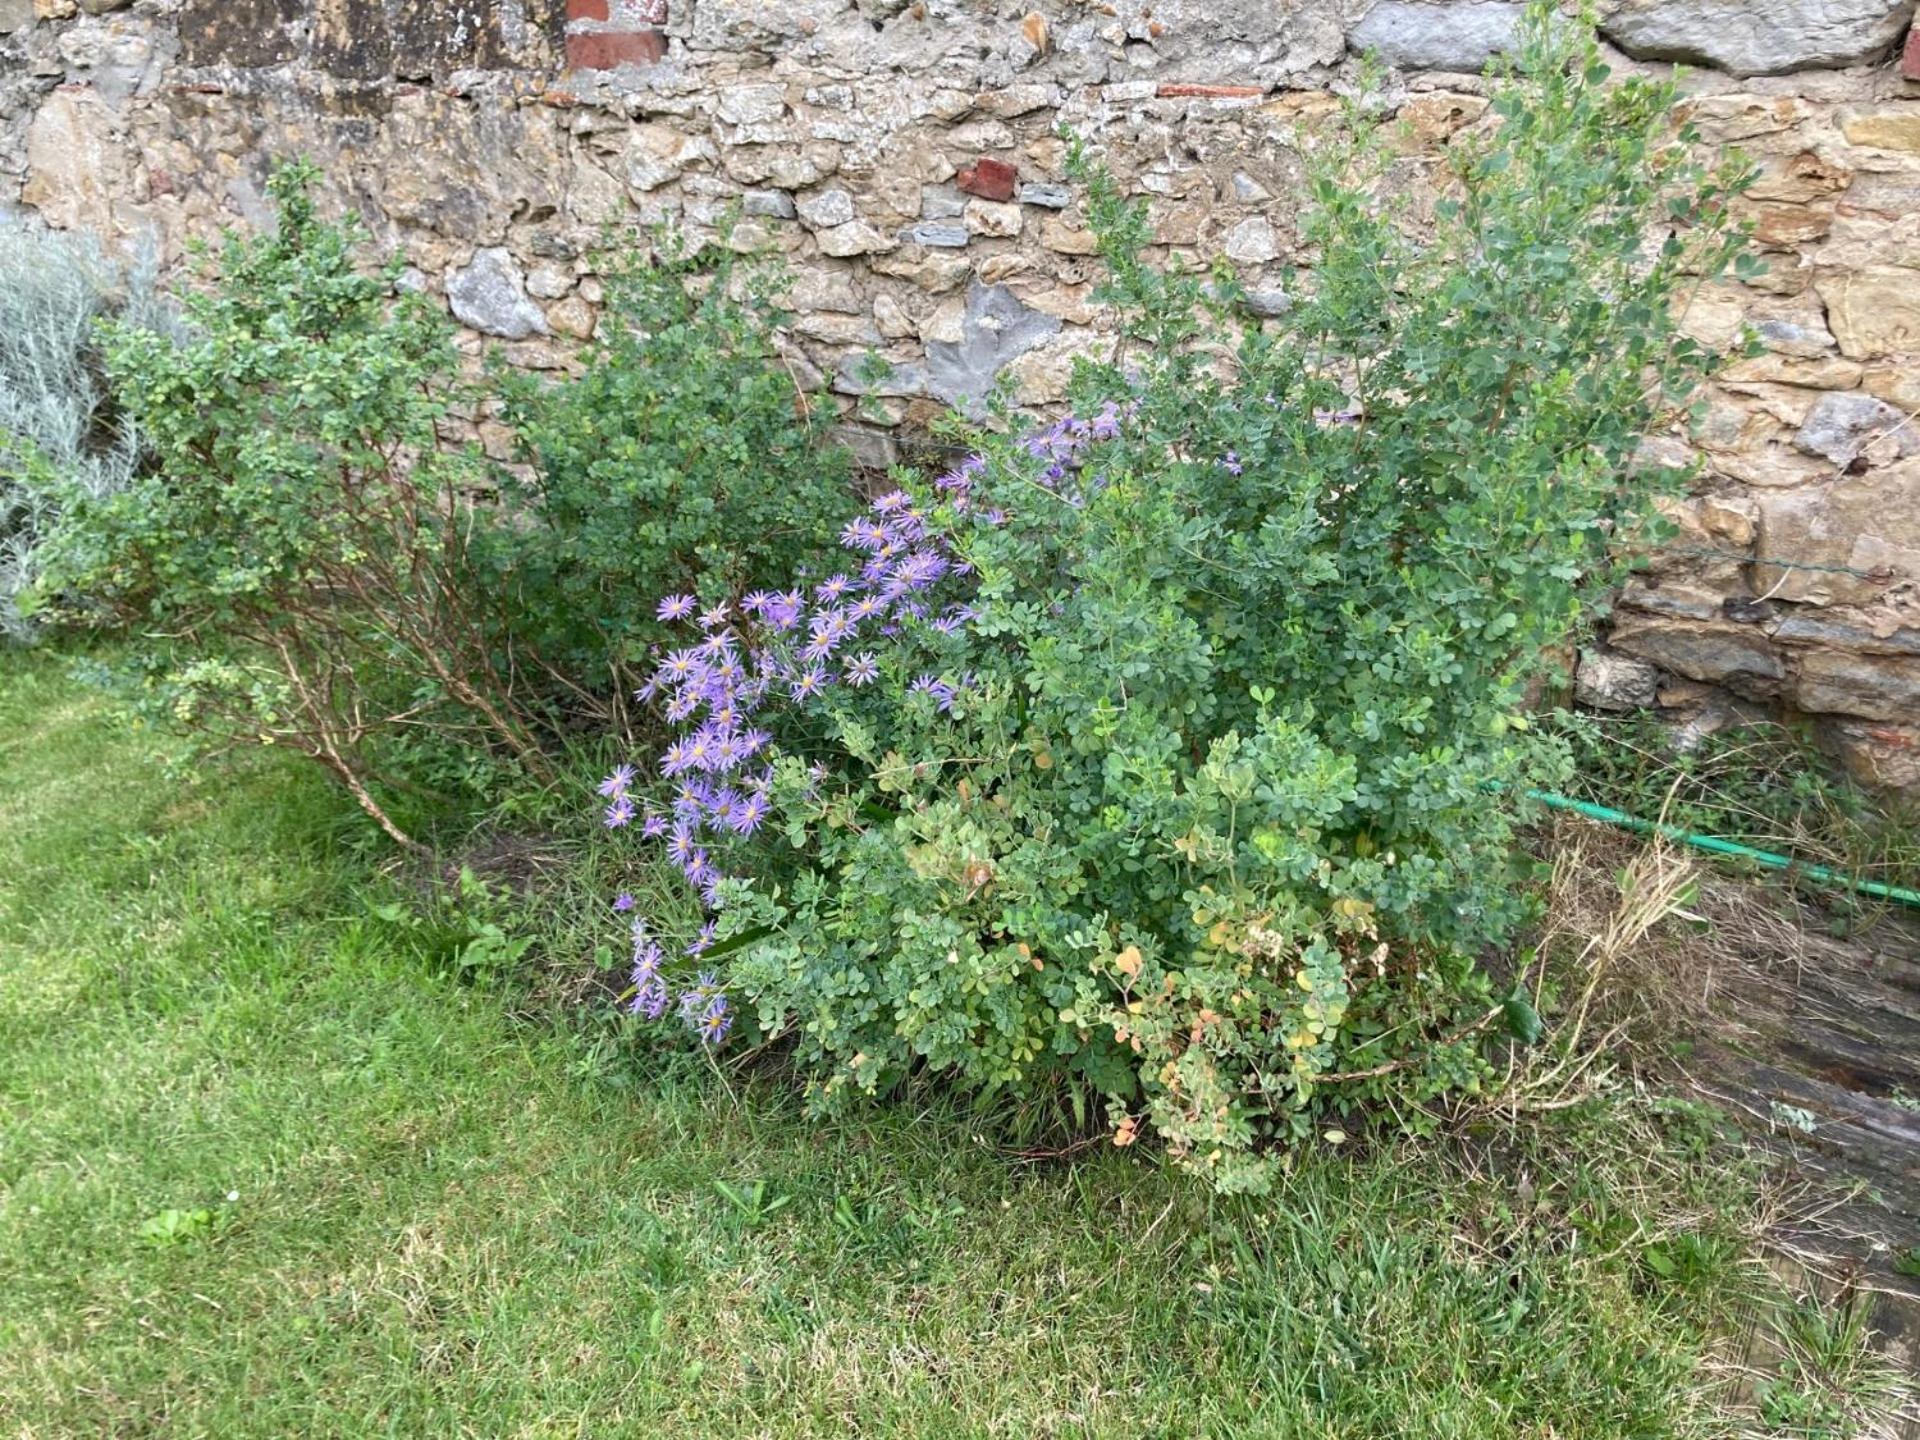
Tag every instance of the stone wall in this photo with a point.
(902, 153)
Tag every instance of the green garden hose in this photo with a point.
(1820, 873)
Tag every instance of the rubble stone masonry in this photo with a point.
(903, 156)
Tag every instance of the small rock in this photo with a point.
(826, 209)
(1251, 242)
(941, 234)
(871, 449)
(1268, 302)
(1788, 227)
(997, 268)
(1895, 128)
(1798, 338)
(988, 178)
(997, 221)
(1432, 120)
(895, 381)
(751, 104)
(1873, 687)
(856, 238)
(811, 291)
(947, 323)
(747, 237)
(891, 318)
(1064, 239)
(1717, 651)
(490, 296)
(1843, 425)
(1825, 544)
(1883, 755)
(549, 282)
(1046, 196)
(571, 316)
(935, 271)
(1605, 680)
(658, 153)
(769, 204)
(1746, 37)
(1458, 37)
(941, 202)
(1873, 312)
(1249, 191)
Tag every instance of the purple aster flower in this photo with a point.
(647, 959)
(782, 613)
(863, 669)
(654, 826)
(681, 846)
(619, 813)
(727, 753)
(676, 607)
(1230, 462)
(622, 903)
(863, 534)
(891, 501)
(716, 617)
(696, 997)
(702, 943)
(715, 1021)
(679, 667)
(650, 1000)
(866, 607)
(750, 813)
(676, 759)
(615, 785)
(943, 694)
(754, 601)
(809, 683)
(832, 589)
(699, 748)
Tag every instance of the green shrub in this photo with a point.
(299, 549)
(1150, 755)
(56, 416)
(684, 456)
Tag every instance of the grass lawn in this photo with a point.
(265, 1171)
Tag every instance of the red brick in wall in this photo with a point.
(610, 49)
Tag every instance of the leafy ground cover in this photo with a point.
(269, 1168)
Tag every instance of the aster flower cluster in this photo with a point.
(789, 649)
(773, 649)
(1062, 447)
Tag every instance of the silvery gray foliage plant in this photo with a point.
(56, 414)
